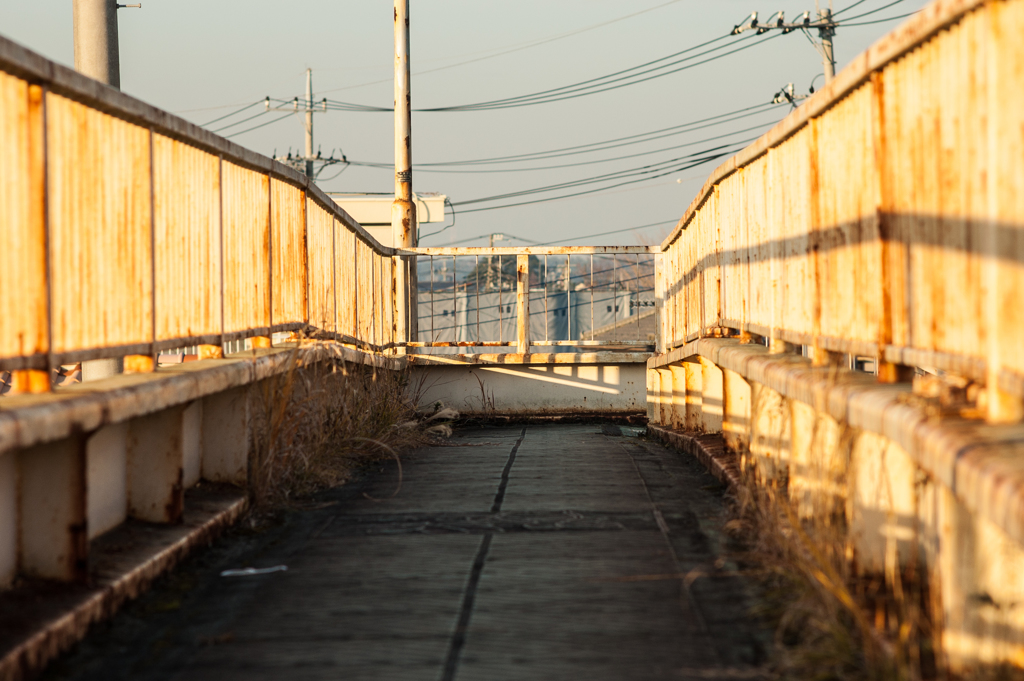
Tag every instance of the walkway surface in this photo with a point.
(537, 552)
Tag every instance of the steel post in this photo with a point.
(523, 304)
(403, 210)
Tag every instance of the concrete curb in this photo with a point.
(710, 450)
(29, 656)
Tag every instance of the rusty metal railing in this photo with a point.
(563, 299)
(884, 217)
(127, 231)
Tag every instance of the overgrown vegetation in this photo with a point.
(831, 624)
(315, 423)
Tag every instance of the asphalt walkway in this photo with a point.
(536, 552)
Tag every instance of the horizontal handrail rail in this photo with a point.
(881, 217)
(134, 231)
(529, 250)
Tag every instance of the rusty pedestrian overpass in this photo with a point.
(842, 303)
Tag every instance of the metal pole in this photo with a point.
(95, 31)
(309, 123)
(825, 33)
(403, 210)
(523, 304)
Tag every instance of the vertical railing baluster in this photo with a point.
(477, 270)
(615, 290)
(547, 334)
(432, 336)
(568, 296)
(455, 301)
(500, 322)
(592, 327)
(523, 304)
(637, 270)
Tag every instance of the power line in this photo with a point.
(882, 21)
(600, 81)
(244, 120)
(517, 47)
(875, 11)
(229, 115)
(591, 162)
(615, 175)
(431, 168)
(848, 7)
(600, 189)
(614, 143)
(257, 127)
(614, 231)
(574, 90)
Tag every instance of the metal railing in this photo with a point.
(127, 231)
(881, 218)
(563, 299)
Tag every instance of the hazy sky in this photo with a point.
(205, 59)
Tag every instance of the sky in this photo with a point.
(204, 60)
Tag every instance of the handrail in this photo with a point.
(529, 250)
(863, 222)
(130, 230)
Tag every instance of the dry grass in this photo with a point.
(315, 423)
(830, 623)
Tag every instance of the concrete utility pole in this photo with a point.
(403, 210)
(305, 163)
(826, 30)
(96, 50)
(825, 24)
(309, 122)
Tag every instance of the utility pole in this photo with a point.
(825, 24)
(309, 122)
(825, 33)
(491, 238)
(96, 49)
(403, 210)
(305, 163)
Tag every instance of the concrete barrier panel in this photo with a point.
(226, 425)
(106, 454)
(8, 518)
(52, 510)
(192, 443)
(155, 466)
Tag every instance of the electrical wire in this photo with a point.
(580, 89)
(600, 81)
(882, 21)
(514, 48)
(848, 8)
(600, 189)
(345, 166)
(592, 162)
(244, 120)
(446, 227)
(717, 152)
(604, 145)
(875, 11)
(229, 115)
(614, 231)
(256, 127)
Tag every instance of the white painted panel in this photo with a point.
(107, 478)
(191, 434)
(536, 389)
